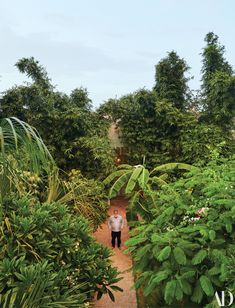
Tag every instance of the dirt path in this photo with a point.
(127, 298)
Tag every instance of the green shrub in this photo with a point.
(47, 239)
(186, 252)
(87, 198)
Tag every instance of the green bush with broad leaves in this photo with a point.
(48, 240)
(186, 253)
(139, 184)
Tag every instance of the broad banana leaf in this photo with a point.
(133, 180)
(173, 166)
(120, 182)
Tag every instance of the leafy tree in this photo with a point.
(164, 133)
(138, 125)
(66, 123)
(220, 101)
(171, 82)
(213, 60)
(218, 85)
(34, 70)
(199, 141)
(79, 98)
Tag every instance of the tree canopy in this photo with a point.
(70, 128)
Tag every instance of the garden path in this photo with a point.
(127, 298)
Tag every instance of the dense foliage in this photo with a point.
(48, 256)
(47, 240)
(137, 183)
(183, 244)
(218, 85)
(171, 82)
(169, 123)
(186, 252)
(27, 168)
(74, 134)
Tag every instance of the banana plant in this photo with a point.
(140, 184)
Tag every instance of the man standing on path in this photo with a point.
(115, 224)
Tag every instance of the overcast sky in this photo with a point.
(109, 47)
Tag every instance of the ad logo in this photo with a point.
(221, 299)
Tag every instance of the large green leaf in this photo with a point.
(199, 257)
(160, 276)
(134, 200)
(179, 255)
(173, 166)
(113, 176)
(170, 291)
(164, 254)
(135, 241)
(120, 182)
(133, 179)
(158, 181)
(143, 179)
(155, 280)
(197, 293)
(206, 285)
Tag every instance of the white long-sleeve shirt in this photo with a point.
(115, 223)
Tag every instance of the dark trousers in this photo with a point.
(115, 235)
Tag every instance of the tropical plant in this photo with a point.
(37, 288)
(220, 102)
(183, 255)
(28, 168)
(49, 238)
(21, 149)
(139, 184)
(85, 196)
